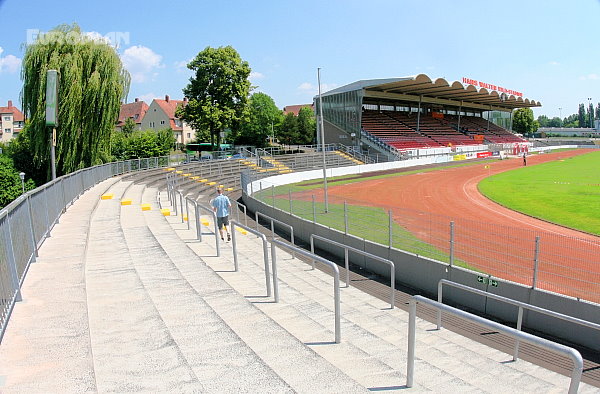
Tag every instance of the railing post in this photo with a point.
(187, 213)
(290, 198)
(32, 228)
(519, 324)
(181, 203)
(275, 280)
(536, 261)
(451, 244)
(345, 218)
(347, 266)
(314, 209)
(312, 249)
(410, 362)
(198, 227)
(12, 263)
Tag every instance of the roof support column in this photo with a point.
(419, 114)
(459, 111)
(489, 116)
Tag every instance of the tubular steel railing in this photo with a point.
(27, 221)
(263, 237)
(509, 331)
(258, 214)
(336, 278)
(347, 263)
(519, 304)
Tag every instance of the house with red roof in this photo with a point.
(136, 111)
(12, 122)
(295, 109)
(161, 115)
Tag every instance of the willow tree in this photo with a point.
(92, 84)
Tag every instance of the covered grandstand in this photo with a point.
(397, 115)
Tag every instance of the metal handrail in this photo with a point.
(263, 237)
(336, 278)
(214, 216)
(521, 305)
(509, 331)
(347, 264)
(240, 205)
(196, 218)
(272, 220)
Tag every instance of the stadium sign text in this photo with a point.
(489, 86)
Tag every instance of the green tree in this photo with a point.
(598, 111)
(307, 126)
(554, 122)
(262, 120)
(92, 84)
(141, 144)
(10, 182)
(19, 150)
(523, 121)
(591, 115)
(128, 126)
(289, 129)
(571, 121)
(581, 116)
(543, 120)
(217, 92)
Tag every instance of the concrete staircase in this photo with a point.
(145, 307)
(374, 337)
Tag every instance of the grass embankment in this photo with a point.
(566, 192)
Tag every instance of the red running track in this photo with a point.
(566, 265)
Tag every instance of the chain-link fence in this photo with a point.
(539, 259)
(27, 221)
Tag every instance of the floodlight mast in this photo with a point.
(322, 132)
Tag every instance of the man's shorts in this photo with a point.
(222, 221)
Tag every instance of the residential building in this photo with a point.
(136, 111)
(12, 122)
(161, 115)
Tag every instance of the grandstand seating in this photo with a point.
(399, 129)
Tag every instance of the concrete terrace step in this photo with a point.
(446, 361)
(295, 363)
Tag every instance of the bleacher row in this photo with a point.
(399, 129)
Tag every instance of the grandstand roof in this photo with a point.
(455, 93)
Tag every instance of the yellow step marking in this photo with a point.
(229, 189)
(108, 196)
(125, 202)
(211, 183)
(205, 223)
(186, 174)
(179, 172)
(166, 211)
(146, 207)
(194, 177)
(241, 230)
(203, 180)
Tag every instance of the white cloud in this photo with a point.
(148, 97)
(181, 66)
(591, 77)
(141, 62)
(95, 36)
(554, 63)
(9, 63)
(308, 87)
(254, 75)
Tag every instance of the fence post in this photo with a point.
(12, 263)
(273, 196)
(410, 357)
(451, 244)
(345, 218)
(314, 209)
(536, 261)
(33, 241)
(187, 213)
(290, 198)
(391, 222)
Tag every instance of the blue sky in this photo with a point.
(548, 50)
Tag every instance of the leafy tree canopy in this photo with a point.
(263, 120)
(10, 182)
(523, 121)
(92, 84)
(142, 144)
(217, 92)
(307, 126)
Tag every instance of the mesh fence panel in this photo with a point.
(556, 263)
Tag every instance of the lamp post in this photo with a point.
(591, 112)
(560, 114)
(22, 175)
(322, 141)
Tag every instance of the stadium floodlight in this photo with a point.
(322, 140)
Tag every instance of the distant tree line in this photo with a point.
(584, 117)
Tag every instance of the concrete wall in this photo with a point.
(423, 274)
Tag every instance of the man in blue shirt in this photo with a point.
(221, 206)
